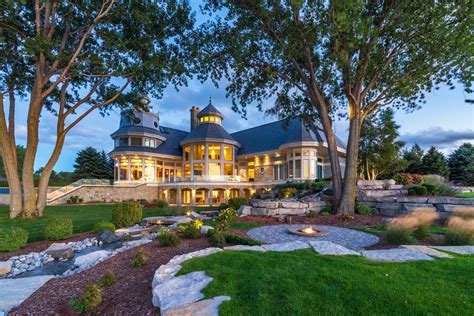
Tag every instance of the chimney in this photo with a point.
(194, 120)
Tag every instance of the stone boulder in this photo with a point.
(107, 237)
(92, 258)
(209, 307)
(244, 210)
(293, 204)
(205, 229)
(5, 267)
(265, 204)
(60, 251)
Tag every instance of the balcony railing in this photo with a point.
(209, 178)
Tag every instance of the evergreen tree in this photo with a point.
(433, 162)
(91, 164)
(413, 158)
(379, 151)
(461, 164)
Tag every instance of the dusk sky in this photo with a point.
(445, 121)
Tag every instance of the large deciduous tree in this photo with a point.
(379, 151)
(73, 57)
(326, 58)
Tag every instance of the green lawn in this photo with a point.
(83, 217)
(304, 283)
(466, 195)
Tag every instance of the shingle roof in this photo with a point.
(273, 135)
(169, 147)
(208, 130)
(210, 109)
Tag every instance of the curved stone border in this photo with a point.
(346, 237)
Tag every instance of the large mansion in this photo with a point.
(207, 165)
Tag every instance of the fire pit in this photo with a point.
(307, 232)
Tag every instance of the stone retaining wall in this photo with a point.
(400, 205)
(282, 207)
(110, 193)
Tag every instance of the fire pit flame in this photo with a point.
(309, 230)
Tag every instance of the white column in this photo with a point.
(206, 169)
(191, 162)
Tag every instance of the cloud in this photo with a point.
(446, 140)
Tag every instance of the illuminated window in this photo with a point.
(137, 172)
(228, 153)
(212, 119)
(187, 153)
(251, 170)
(187, 170)
(306, 168)
(136, 141)
(124, 161)
(198, 152)
(218, 120)
(149, 174)
(206, 118)
(159, 173)
(228, 169)
(297, 168)
(201, 119)
(290, 168)
(214, 169)
(214, 152)
(136, 161)
(149, 142)
(198, 170)
(123, 173)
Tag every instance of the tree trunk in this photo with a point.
(347, 203)
(29, 190)
(333, 157)
(46, 174)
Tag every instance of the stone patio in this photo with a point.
(345, 237)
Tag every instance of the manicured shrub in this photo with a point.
(319, 185)
(421, 190)
(225, 217)
(126, 214)
(90, 300)
(168, 238)
(287, 193)
(12, 238)
(408, 178)
(192, 232)
(217, 239)
(141, 257)
(430, 187)
(398, 236)
(239, 240)
(104, 225)
(444, 189)
(412, 191)
(325, 211)
(58, 228)
(362, 209)
(236, 203)
(74, 199)
(107, 279)
(311, 214)
(421, 232)
(161, 203)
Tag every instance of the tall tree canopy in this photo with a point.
(461, 164)
(92, 164)
(379, 153)
(434, 162)
(326, 58)
(413, 158)
(73, 57)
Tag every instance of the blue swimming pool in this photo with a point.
(4, 190)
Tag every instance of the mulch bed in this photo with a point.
(130, 295)
(42, 245)
(332, 220)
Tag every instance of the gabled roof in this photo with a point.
(210, 109)
(208, 130)
(271, 136)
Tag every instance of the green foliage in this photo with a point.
(379, 151)
(90, 300)
(398, 236)
(412, 191)
(192, 232)
(12, 238)
(311, 214)
(412, 159)
(433, 162)
(141, 257)
(421, 232)
(461, 165)
(168, 238)
(216, 239)
(287, 193)
(430, 187)
(236, 203)
(362, 209)
(319, 185)
(161, 203)
(459, 237)
(103, 225)
(126, 214)
(58, 228)
(239, 240)
(325, 211)
(74, 199)
(421, 190)
(92, 164)
(225, 217)
(107, 279)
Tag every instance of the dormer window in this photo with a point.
(211, 119)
